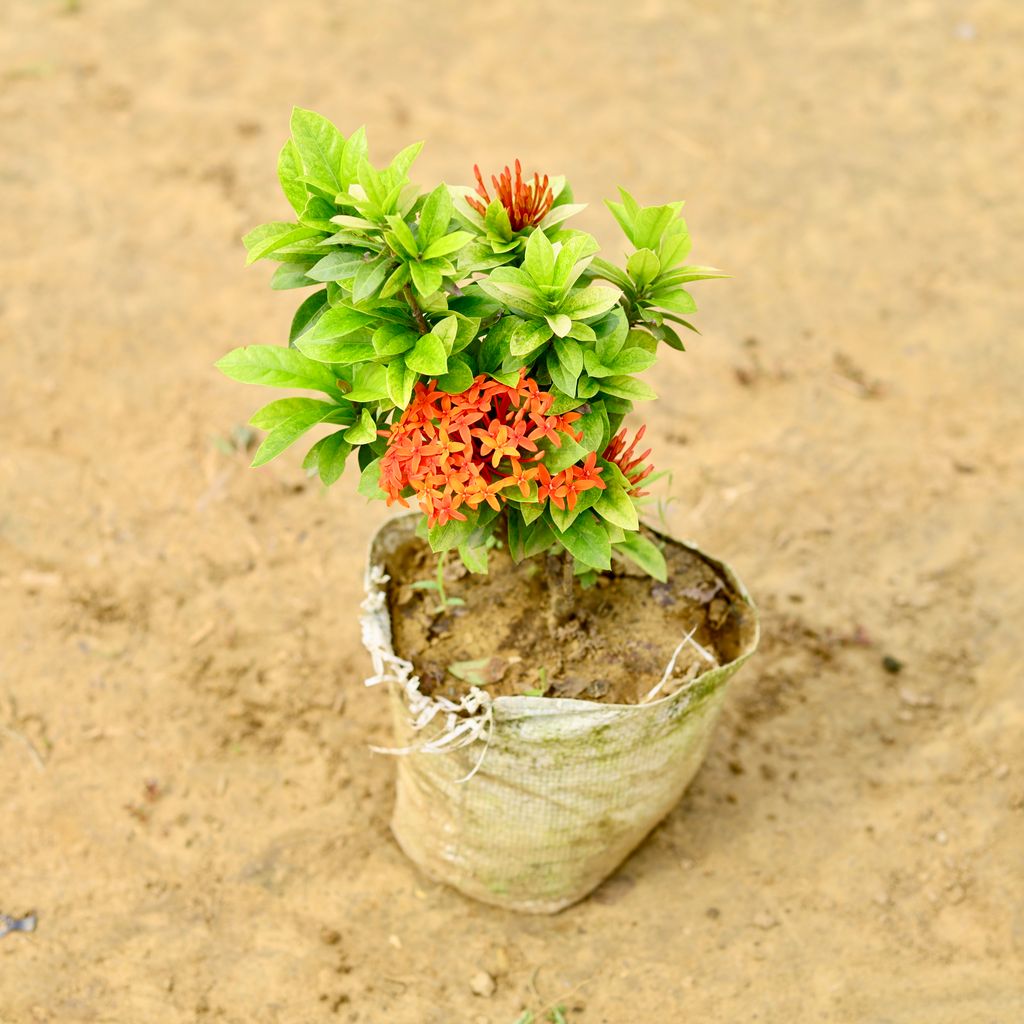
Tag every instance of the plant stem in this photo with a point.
(561, 603)
(421, 320)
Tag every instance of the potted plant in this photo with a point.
(555, 668)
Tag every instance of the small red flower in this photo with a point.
(466, 449)
(630, 464)
(526, 204)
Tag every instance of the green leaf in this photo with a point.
(435, 216)
(650, 224)
(428, 356)
(400, 381)
(277, 367)
(292, 275)
(629, 388)
(645, 554)
(447, 330)
(454, 532)
(610, 272)
(448, 244)
(675, 244)
(393, 339)
(268, 238)
(458, 378)
(617, 507)
(343, 351)
(363, 431)
(289, 429)
(567, 454)
(340, 265)
(396, 282)
(369, 481)
(560, 324)
(591, 301)
(631, 360)
(307, 314)
(612, 333)
(320, 146)
(587, 542)
(643, 266)
(573, 258)
(474, 559)
(404, 236)
(539, 261)
(339, 322)
(328, 457)
(527, 336)
(289, 174)
(678, 300)
(369, 278)
(425, 278)
(369, 383)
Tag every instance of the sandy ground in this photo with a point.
(848, 433)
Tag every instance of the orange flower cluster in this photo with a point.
(466, 449)
(526, 204)
(631, 465)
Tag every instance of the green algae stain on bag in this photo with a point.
(529, 803)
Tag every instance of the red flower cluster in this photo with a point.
(631, 465)
(465, 449)
(525, 204)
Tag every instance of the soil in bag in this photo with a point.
(614, 648)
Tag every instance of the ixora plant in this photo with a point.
(476, 358)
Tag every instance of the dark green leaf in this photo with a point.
(645, 554)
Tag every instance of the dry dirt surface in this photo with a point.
(189, 801)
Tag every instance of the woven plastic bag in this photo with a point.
(529, 803)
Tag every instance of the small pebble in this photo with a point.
(765, 920)
(395, 941)
(482, 984)
(713, 913)
(941, 837)
(915, 700)
(330, 936)
(1002, 771)
(892, 665)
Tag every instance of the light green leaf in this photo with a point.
(369, 278)
(268, 238)
(344, 351)
(587, 542)
(645, 554)
(426, 279)
(393, 339)
(328, 457)
(560, 324)
(629, 388)
(289, 173)
(539, 261)
(458, 378)
(527, 336)
(339, 322)
(369, 481)
(631, 360)
(363, 431)
(292, 275)
(678, 300)
(591, 301)
(340, 265)
(615, 505)
(447, 244)
(474, 559)
(428, 356)
(435, 216)
(643, 266)
(400, 381)
(307, 314)
(369, 383)
(320, 146)
(286, 431)
(277, 367)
